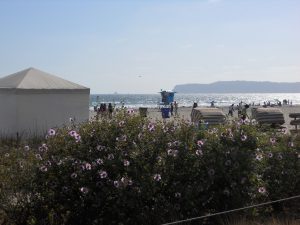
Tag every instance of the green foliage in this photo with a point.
(130, 170)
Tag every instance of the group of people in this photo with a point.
(104, 110)
(241, 110)
(174, 108)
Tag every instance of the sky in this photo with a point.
(143, 46)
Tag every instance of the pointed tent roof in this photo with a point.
(34, 80)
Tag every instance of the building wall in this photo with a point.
(8, 114)
(37, 113)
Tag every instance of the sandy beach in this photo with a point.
(185, 113)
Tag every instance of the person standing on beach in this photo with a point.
(231, 110)
(171, 109)
(176, 108)
(110, 110)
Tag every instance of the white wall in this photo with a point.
(8, 114)
(36, 113)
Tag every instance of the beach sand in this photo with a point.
(185, 113)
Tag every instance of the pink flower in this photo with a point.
(130, 111)
(84, 190)
(151, 127)
(211, 172)
(88, 166)
(38, 156)
(103, 174)
(259, 157)
(51, 132)
(77, 137)
(73, 175)
(228, 162)
(110, 157)
(43, 169)
(126, 163)
(99, 161)
(116, 184)
(262, 190)
(73, 133)
(243, 137)
(199, 152)
(177, 195)
(157, 177)
(291, 144)
(200, 143)
(273, 141)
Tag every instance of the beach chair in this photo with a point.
(271, 116)
(211, 116)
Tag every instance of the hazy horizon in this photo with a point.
(133, 46)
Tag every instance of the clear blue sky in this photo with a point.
(136, 46)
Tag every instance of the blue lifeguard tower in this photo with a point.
(167, 97)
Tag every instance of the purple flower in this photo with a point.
(130, 111)
(73, 133)
(51, 132)
(273, 141)
(99, 161)
(170, 152)
(116, 184)
(259, 157)
(43, 169)
(121, 123)
(88, 166)
(176, 143)
(26, 148)
(84, 190)
(73, 175)
(279, 156)
(262, 190)
(177, 195)
(243, 137)
(291, 144)
(228, 162)
(270, 154)
(199, 152)
(151, 127)
(77, 137)
(103, 174)
(211, 172)
(126, 163)
(38, 156)
(200, 143)
(110, 157)
(157, 177)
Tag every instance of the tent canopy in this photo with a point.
(32, 80)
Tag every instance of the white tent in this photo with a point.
(32, 101)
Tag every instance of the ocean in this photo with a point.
(152, 100)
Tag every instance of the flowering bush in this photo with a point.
(130, 170)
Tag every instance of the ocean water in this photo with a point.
(152, 100)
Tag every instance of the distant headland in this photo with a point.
(240, 87)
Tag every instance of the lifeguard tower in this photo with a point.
(167, 97)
